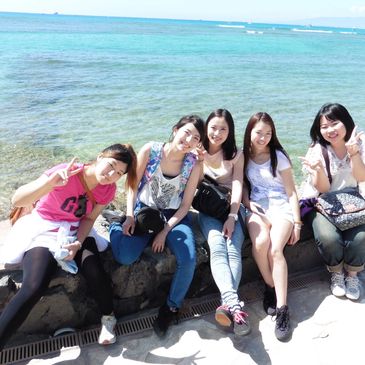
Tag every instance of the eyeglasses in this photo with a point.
(81, 207)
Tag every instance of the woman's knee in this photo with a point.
(127, 249)
(276, 253)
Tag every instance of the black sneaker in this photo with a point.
(282, 327)
(165, 317)
(269, 301)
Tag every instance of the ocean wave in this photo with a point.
(231, 26)
(348, 32)
(254, 32)
(311, 30)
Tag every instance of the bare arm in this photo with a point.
(33, 191)
(353, 150)
(236, 197)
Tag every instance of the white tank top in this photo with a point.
(161, 192)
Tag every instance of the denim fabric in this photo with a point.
(180, 240)
(338, 248)
(225, 256)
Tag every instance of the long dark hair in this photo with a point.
(229, 146)
(274, 144)
(332, 112)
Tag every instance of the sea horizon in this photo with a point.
(298, 22)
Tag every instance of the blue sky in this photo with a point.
(237, 10)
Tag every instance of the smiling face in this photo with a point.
(333, 131)
(261, 135)
(109, 170)
(186, 138)
(217, 131)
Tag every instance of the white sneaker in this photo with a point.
(338, 287)
(107, 335)
(352, 287)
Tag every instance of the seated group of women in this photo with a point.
(69, 197)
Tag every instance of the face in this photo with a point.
(109, 170)
(186, 138)
(261, 135)
(333, 131)
(217, 131)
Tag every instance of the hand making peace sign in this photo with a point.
(353, 144)
(60, 177)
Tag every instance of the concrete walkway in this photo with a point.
(327, 331)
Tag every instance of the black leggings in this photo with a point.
(38, 267)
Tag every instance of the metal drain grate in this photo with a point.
(197, 307)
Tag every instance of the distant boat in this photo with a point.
(56, 13)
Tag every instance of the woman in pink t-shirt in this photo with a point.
(69, 198)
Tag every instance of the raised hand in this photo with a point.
(353, 144)
(60, 177)
(312, 165)
(200, 152)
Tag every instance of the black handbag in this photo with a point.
(149, 220)
(212, 199)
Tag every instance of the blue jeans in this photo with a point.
(225, 257)
(339, 249)
(180, 240)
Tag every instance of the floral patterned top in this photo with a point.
(340, 170)
(155, 189)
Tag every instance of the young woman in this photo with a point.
(274, 218)
(167, 174)
(62, 218)
(342, 251)
(224, 164)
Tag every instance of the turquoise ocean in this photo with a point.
(71, 85)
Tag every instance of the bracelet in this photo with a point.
(298, 223)
(234, 216)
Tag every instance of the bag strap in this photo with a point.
(210, 179)
(87, 190)
(327, 162)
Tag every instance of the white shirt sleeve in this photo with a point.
(283, 162)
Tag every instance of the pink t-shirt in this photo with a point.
(70, 203)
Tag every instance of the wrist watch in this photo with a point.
(234, 216)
